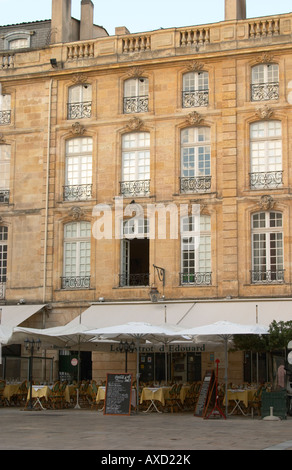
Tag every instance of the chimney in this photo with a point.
(235, 10)
(86, 24)
(61, 24)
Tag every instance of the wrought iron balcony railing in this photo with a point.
(197, 279)
(75, 282)
(268, 277)
(4, 196)
(197, 184)
(193, 99)
(132, 280)
(5, 117)
(136, 104)
(78, 192)
(265, 91)
(269, 179)
(135, 188)
(79, 110)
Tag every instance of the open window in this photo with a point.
(135, 253)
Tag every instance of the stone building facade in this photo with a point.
(93, 126)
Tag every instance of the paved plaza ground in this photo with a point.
(85, 429)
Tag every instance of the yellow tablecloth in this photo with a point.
(242, 395)
(69, 391)
(100, 394)
(10, 390)
(162, 393)
(159, 394)
(40, 391)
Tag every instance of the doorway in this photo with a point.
(68, 365)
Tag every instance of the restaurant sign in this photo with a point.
(169, 348)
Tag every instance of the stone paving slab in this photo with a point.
(91, 430)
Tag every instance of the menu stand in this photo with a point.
(216, 411)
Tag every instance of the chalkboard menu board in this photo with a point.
(118, 394)
(204, 395)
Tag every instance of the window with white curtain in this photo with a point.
(135, 164)
(267, 247)
(136, 99)
(195, 89)
(77, 247)
(5, 109)
(265, 82)
(195, 159)
(79, 101)
(78, 171)
(266, 154)
(5, 156)
(196, 250)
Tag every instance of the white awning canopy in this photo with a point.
(188, 314)
(14, 315)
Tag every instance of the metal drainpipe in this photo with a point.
(47, 192)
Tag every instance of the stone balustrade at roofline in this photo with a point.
(172, 42)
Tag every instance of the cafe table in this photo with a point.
(70, 391)
(239, 396)
(38, 392)
(153, 394)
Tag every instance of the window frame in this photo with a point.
(267, 239)
(194, 273)
(5, 181)
(17, 35)
(133, 182)
(136, 95)
(78, 181)
(196, 95)
(267, 87)
(5, 109)
(82, 108)
(199, 151)
(266, 155)
(76, 278)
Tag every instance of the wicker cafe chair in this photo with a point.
(85, 392)
(192, 395)
(173, 402)
(94, 388)
(255, 403)
(21, 396)
(2, 386)
(57, 396)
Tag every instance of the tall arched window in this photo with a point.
(196, 250)
(78, 171)
(76, 267)
(79, 101)
(195, 160)
(136, 98)
(266, 154)
(195, 89)
(135, 164)
(265, 82)
(267, 247)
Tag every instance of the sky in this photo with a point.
(143, 16)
